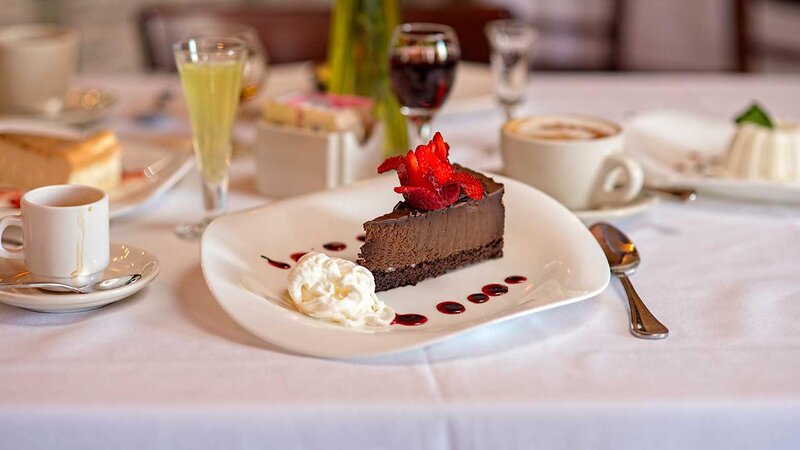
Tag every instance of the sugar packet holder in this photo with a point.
(293, 161)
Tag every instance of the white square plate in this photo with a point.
(544, 242)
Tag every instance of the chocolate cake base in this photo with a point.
(413, 274)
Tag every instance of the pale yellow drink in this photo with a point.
(212, 90)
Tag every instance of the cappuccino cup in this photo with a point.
(37, 63)
(64, 234)
(575, 159)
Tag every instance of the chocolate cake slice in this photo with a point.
(409, 245)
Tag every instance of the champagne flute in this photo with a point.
(510, 41)
(422, 66)
(256, 64)
(211, 74)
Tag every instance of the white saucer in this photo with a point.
(125, 259)
(638, 205)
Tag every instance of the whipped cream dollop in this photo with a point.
(337, 290)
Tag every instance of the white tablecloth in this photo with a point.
(168, 369)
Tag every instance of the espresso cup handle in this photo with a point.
(5, 222)
(610, 190)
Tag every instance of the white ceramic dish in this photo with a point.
(125, 260)
(643, 202)
(678, 148)
(166, 165)
(543, 242)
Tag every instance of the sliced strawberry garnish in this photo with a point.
(392, 163)
(421, 198)
(440, 147)
(471, 185)
(412, 167)
(427, 179)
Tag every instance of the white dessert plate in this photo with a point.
(150, 169)
(679, 149)
(544, 242)
(125, 260)
(638, 205)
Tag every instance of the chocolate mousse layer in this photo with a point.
(406, 245)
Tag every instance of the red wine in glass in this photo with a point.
(422, 66)
(421, 83)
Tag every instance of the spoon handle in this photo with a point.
(682, 194)
(38, 285)
(643, 323)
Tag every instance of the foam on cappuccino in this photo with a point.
(561, 128)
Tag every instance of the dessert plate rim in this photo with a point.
(717, 133)
(225, 273)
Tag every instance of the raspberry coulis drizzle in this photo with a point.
(515, 279)
(335, 246)
(493, 290)
(278, 264)
(450, 308)
(296, 256)
(409, 320)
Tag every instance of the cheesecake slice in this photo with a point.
(450, 217)
(28, 161)
(407, 245)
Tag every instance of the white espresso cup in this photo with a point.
(64, 234)
(37, 63)
(575, 159)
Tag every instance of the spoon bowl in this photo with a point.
(621, 253)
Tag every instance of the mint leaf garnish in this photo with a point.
(755, 115)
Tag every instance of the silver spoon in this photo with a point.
(623, 258)
(103, 285)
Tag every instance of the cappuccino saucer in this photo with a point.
(124, 259)
(616, 213)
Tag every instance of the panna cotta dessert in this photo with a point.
(763, 149)
(757, 152)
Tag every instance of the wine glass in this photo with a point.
(256, 64)
(422, 66)
(510, 41)
(211, 69)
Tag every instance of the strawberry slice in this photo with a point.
(421, 198)
(442, 169)
(414, 171)
(471, 185)
(393, 163)
(439, 146)
(427, 179)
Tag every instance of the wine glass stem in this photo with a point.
(508, 109)
(422, 125)
(215, 197)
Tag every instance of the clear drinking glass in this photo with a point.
(511, 41)
(211, 74)
(422, 67)
(255, 67)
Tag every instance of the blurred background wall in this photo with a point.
(650, 35)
